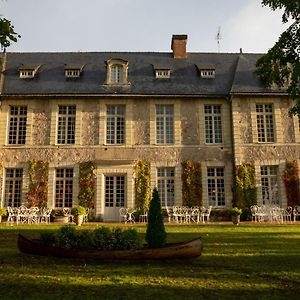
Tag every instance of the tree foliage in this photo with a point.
(156, 233)
(7, 33)
(281, 64)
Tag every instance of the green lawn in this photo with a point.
(249, 261)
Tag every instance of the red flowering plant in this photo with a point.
(291, 181)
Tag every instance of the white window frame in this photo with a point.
(13, 187)
(166, 185)
(27, 73)
(269, 184)
(265, 123)
(164, 123)
(114, 190)
(72, 73)
(66, 125)
(164, 74)
(63, 196)
(213, 124)
(116, 124)
(17, 125)
(216, 186)
(207, 73)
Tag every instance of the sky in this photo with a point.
(141, 25)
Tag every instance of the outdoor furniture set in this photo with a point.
(24, 215)
(274, 213)
(183, 214)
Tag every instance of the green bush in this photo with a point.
(3, 211)
(102, 238)
(156, 233)
(78, 210)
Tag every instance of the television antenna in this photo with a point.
(218, 37)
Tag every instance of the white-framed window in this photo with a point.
(115, 191)
(213, 124)
(27, 73)
(216, 186)
(66, 122)
(117, 70)
(164, 124)
(162, 73)
(64, 187)
(72, 73)
(269, 184)
(17, 125)
(13, 187)
(207, 73)
(265, 123)
(165, 185)
(115, 124)
(117, 73)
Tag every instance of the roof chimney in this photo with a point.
(179, 45)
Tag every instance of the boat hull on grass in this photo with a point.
(191, 249)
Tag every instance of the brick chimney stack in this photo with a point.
(179, 45)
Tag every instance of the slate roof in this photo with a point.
(233, 74)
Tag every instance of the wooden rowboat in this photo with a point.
(191, 249)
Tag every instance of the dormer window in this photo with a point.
(117, 71)
(206, 70)
(73, 71)
(162, 73)
(28, 71)
(208, 73)
(162, 70)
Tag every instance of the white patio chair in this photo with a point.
(123, 214)
(287, 214)
(86, 215)
(67, 213)
(22, 214)
(33, 215)
(296, 212)
(143, 218)
(11, 215)
(169, 211)
(45, 214)
(254, 213)
(195, 214)
(205, 213)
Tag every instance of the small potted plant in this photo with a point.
(78, 212)
(235, 213)
(3, 213)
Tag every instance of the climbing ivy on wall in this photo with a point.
(142, 184)
(245, 192)
(291, 182)
(37, 194)
(191, 183)
(87, 185)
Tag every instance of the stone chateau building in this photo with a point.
(113, 109)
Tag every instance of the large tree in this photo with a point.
(7, 33)
(281, 64)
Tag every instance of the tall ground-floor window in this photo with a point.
(64, 187)
(165, 184)
(114, 191)
(269, 184)
(215, 186)
(13, 187)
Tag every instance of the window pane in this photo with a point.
(13, 187)
(66, 122)
(64, 188)
(215, 186)
(165, 185)
(17, 125)
(164, 124)
(213, 124)
(115, 124)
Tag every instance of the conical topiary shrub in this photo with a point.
(156, 233)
